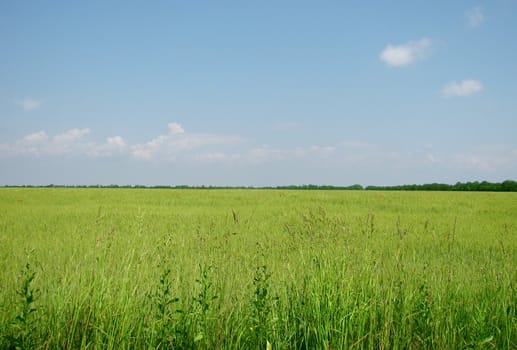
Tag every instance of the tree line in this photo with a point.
(505, 186)
(483, 186)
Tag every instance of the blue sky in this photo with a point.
(257, 92)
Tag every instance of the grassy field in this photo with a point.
(257, 269)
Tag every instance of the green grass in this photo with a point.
(235, 269)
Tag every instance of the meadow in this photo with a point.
(257, 269)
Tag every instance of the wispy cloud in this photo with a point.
(71, 135)
(68, 143)
(177, 142)
(175, 129)
(486, 159)
(176, 145)
(356, 145)
(474, 17)
(113, 146)
(29, 104)
(39, 136)
(462, 88)
(179, 146)
(404, 54)
(116, 141)
(265, 153)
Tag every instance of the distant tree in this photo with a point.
(509, 185)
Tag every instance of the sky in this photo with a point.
(257, 93)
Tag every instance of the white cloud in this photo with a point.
(69, 143)
(235, 158)
(39, 136)
(116, 141)
(353, 144)
(486, 158)
(267, 153)
(429, 154)
(404, 54)
(264, 154)
(113, 146)
(178, 143)
(29, 104)
(175, 129)
(71, 135)
(216, 157)
(475, 17)
(481, 162)
(463, 88)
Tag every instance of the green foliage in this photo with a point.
(205, 295)
(476, 186)
(23, 328)
(262, 322)
(166, 312)
(203, 302)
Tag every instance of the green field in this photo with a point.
(241, 269)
